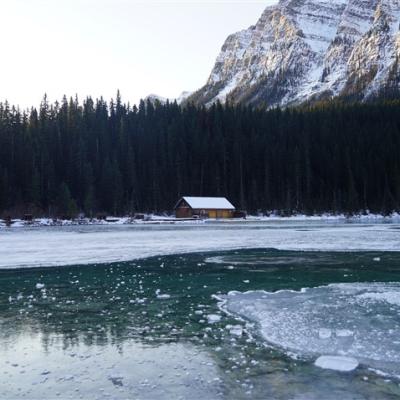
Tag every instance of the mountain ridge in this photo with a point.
(304, 50)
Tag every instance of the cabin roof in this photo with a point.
(207, 203)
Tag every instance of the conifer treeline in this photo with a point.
(98, 157)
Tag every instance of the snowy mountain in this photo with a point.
(153, 98)
(183, 96)
(163, 100)
(302, 50)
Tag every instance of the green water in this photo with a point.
(152, 329)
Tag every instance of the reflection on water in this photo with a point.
(39, 367)
(152, 329)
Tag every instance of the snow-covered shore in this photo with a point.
(45, 222)
(163, 219)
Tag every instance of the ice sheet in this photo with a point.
(54, 246)
(358, 321)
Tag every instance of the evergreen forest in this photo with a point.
(95, 157)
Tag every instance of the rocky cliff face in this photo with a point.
(302, 50)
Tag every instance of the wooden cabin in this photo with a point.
(204, 207)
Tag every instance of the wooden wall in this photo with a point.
(184, 211)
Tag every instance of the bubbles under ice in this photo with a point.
(358, 321)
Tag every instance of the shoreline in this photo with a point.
(153, 219)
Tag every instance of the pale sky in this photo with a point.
(94, 47)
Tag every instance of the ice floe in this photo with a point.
(349, 322)
(162, 296)
(337, 363)
(213, 318)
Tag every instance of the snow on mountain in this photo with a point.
(301, 50)
(154, 97)
(183, 96)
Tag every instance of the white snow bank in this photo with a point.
(150, 219)
(362, 218)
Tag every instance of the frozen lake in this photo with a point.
(167, 311)
(55, 246)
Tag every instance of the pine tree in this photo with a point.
(119, 159)
(67, 207)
